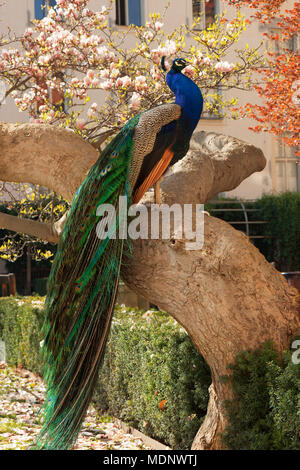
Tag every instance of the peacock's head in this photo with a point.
(177, 66)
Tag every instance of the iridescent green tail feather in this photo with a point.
(81, 295)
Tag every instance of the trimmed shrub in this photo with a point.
(20, 325)
(284, 389)
(153, 378)
(264, 413)
(283, 215)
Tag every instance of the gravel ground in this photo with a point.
(21, 396)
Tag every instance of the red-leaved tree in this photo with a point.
(280, 87)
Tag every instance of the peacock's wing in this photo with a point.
(151, 169)
(171, 144)
(84, 279)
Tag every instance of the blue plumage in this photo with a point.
(188, 96)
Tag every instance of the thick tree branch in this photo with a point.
(46, 155)
(214, 164)
(40, 230)
(59, 160)
(227, 297)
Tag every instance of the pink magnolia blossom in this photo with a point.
(107, 85)
(168, 49)
(158, 25)
(140, 83)
(75, 81)
(224, 67)
(100, 17)
(114, 72)
(189, 71)
(90, 113)
(81, 124)
(95, 82)
(148, 35)
(90, 74)
(104, 73)
(155, 74)
(135, 101)
(43, 109)
(123, 82)
(102, 52)
(207, 61)
(87, 81)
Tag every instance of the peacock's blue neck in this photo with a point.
(188, 96)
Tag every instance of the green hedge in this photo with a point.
(149, 358)
(150, 362)
(282, 212)
(265, 411)
(20, 325)
(153, 378)
(283, 215)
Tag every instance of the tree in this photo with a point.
(226, 295)
(280, 87)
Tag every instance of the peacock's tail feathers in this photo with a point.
(81, 294)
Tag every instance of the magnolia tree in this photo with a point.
(73, 50)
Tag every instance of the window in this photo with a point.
(40, 8)
(278, 46)
(206, 9)
(128, 12)
(287, 168)
(286, 161)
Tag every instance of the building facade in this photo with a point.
(281, 172)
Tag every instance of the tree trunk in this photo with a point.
(226, 295)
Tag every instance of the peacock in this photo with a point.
(84, 278)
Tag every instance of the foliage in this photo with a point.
(20, 324)
(264, 9)
(35, 203)
(153, 378)
(284, 389)
(73, 50)
(264, 412)
(279, 114)
(282, 214)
